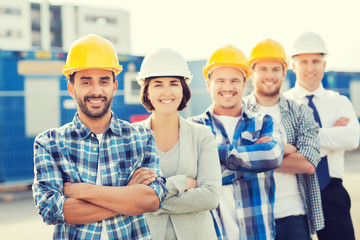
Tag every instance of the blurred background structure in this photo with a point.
(32, 25)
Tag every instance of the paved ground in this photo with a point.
(351, 182)
(19, 219)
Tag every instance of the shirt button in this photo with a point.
(130, 168)
(92, 135)
(94, 148)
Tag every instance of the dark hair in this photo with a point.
(282, 65)
(145, 88)
(72, 77)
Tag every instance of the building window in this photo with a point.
(35, 25)
(5, 33)
(101, 21)
(55, 26)
(10, 11)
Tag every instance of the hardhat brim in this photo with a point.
(244, 68)
(141, 79)
(68, 71)
(255, 60)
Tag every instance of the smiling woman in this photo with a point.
(187, 151)
(165, 94)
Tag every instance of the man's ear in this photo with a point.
(115, 87)
(293, 66)
(70, 87)
(207, 82)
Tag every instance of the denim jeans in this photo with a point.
(292, 228)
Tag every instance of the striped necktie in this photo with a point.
(322, 170)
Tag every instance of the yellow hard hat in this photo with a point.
(268, 49)
(90, 52)
(227, 56)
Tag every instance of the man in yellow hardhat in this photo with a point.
(82, 168)
(339, 132)
(297, 195)
(249, 149)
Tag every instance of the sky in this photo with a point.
(196, 28)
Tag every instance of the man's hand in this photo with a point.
(264, 140)
(288, 148)
(343, 121)
(190, 183)
(143, 175)
(72, 190)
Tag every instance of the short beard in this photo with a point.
(88, 113)
(266, 94)
(228, 107)
(273, 94)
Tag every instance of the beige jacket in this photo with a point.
(189, 210)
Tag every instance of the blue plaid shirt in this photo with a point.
(72, 153)
(249, 168)
(302, 132)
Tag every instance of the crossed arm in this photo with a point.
(59, 201)
(188, 195)
(263, 155)
(146, 176)
(90, 203)
(342, 136)
(295, 162)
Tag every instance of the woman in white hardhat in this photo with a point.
(187, 151)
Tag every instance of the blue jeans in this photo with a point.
(292, 228)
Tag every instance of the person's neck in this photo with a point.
(310, 88)
(233, 112)
(267, 101)
(162, 122)
(97, 125)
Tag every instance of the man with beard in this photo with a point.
(82, 168)
(249, 149)
(297, 195)
(339, 132)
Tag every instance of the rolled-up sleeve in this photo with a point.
(48, 185)
(259, 157)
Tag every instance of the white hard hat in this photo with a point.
(309, 42)
(164, 62)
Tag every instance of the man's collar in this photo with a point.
(83, 131)
(210, 110)
(253, 106)
(302, 92)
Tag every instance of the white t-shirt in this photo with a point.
(104, 235)
(227, 199)
(229, 124)
(288, 200)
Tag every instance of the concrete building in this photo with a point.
(31, 25)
